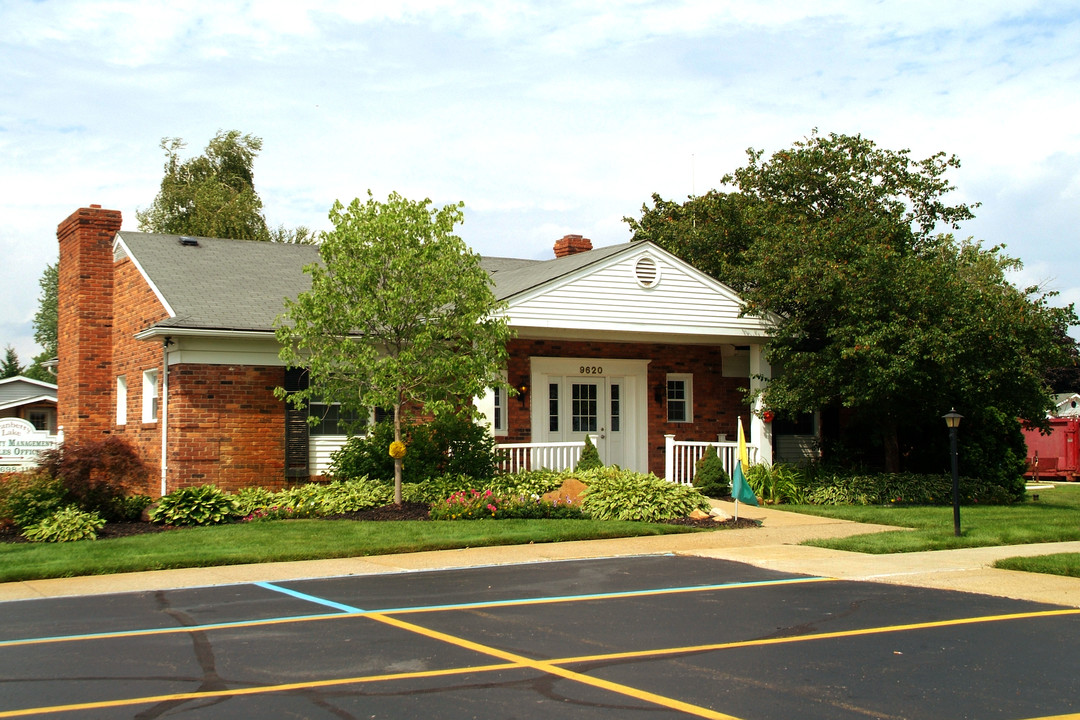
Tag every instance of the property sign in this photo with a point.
(20, 444)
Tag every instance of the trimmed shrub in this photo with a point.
(906, 489)
(200, 505)
(98, 474)
(448, 445)
(590, 457)
(710, 478)
(65, 525)
(625, 495)
(27, 498)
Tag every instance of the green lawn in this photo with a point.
(1055, 517)
(293, 540)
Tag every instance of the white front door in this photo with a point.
(595, 398)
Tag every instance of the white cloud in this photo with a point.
(545, 118)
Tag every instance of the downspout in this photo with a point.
(165, 414)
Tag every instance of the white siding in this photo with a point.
(320, 447)
(610, 298)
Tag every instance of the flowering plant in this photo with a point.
(473, 504)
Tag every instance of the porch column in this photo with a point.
(760, 431)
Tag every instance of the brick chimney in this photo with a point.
(572, 245)
(84, 321)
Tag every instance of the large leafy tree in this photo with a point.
(874, 309)
(400, 315)
(213, 194)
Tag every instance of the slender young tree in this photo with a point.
(400, 315)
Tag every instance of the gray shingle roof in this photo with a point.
(222, 284)
(238, 285)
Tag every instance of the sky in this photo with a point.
(544, 118)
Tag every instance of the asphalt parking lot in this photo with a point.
(648, 637)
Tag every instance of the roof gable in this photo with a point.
(635, 287)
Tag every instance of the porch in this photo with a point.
(680, 456)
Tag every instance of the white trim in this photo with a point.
(119, 242)
(687, 379)
(32, 381)
(29, 401)
(151, 383)
(121, 399)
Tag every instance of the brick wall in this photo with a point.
(717, 400)
(85, 402)
(225, 426)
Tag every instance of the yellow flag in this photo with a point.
(744, 458)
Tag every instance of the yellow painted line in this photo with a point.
(239, 692)
(880, 630)
(401, 611)
(549, 667)
(1067, 716)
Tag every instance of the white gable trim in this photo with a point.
(608, 295)
(29, 381)
(120, 251)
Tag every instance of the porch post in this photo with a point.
(760, 431)
(669, 458)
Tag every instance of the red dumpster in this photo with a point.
(1055, 456)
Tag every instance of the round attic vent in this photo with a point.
(647, 272)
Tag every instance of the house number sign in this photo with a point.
(591, 370)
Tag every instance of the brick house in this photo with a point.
(168, 341)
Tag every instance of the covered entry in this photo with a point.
(601, 398)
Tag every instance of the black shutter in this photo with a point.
(296, 427)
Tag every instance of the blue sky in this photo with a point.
(545, 118)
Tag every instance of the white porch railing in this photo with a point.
(681, 456)
(533, 456)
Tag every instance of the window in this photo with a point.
(553, 407)
(680, 398)
(498, 422)
(615, 413)
(331, 419)
(39, 419)
(583, 407)
(150, 396)
(121, 400)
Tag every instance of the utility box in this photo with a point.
(1055, 456)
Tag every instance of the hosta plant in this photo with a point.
(65, 525)
(199, 505)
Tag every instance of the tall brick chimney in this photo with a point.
(84, 321)
(571, 245)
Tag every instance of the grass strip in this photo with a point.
(1053, 518)
(1067, 564)
(289, 540)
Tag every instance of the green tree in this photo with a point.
(45, 324)
(10, 367)
(400, 315)
(872, 311)
(213, 194)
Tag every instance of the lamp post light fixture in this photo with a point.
(952, 419)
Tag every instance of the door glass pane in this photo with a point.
(614, 407)
(583, 408)
(553, 407)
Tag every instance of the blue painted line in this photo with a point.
(310, 598)
(354, 611)
(166, 630)
(597, 596)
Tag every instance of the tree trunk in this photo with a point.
(397, 460)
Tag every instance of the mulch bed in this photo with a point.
(407, 511)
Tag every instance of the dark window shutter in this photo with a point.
(296, 427)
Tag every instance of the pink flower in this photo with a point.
(491, 507)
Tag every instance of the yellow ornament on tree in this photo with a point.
(397, 450)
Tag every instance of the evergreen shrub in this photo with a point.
(710, 478)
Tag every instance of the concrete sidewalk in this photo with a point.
(774, 545)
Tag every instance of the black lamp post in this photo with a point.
(952, 419)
